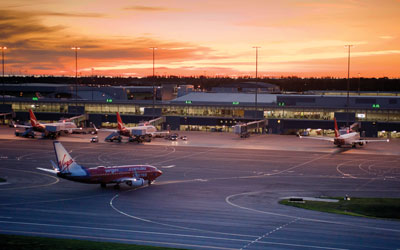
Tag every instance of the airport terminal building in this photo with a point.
(187, 109)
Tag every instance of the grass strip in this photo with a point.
(17, 242)
(365, 207)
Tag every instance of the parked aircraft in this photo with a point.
(51, 130)
(132, 175)
(345, 137)
(143, 132)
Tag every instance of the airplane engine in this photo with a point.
(135, 182)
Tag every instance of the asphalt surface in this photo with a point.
(216, 192)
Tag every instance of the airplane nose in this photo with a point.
(159, 172)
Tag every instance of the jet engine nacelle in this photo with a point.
(135, 182)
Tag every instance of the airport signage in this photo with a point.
(376, 106)
(188, 102)
(235, 103)
(109, 100)
(35, 99)
(281, 104)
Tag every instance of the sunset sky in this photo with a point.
(305, 38)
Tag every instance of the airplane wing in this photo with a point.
(134, 182)
(368, 141)
(20, 126)
(108, 130)
(48, 170)
(159, 133)
(323, 138)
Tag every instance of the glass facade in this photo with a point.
(210, 111)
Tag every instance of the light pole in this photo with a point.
(256, 47)
(76, 74)
(154, 88)
(348, 82)
(2, 60)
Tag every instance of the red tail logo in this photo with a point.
(64, 166)
(337, 134)
(33, 119)
(120, 123)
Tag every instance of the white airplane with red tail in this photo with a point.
(345, 137)
(132, 175)
(52, 130)
(143, 132)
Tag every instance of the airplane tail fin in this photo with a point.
(65, 163)
(337, 134)
(34, 121)
(120, 123)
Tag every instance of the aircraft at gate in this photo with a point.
(141, 133)
(349, 137)
(51, 130)
(132, 175)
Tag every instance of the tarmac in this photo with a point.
(217, 191)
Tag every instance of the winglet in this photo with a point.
(337, 134)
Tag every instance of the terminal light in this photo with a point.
(35, 98)
(376, 106)
(109, 100)
(281, 103)
(188, 102)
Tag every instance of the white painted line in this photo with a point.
(228, 198)
(169, 225)
(123, 230)
(118, 239)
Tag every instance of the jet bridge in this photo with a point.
(77, 119)
(244, 129)
(157, 122)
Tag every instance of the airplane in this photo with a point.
(143, 132)
(51, 130)
(132, 175)
(345, 137)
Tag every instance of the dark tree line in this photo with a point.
(294, 84)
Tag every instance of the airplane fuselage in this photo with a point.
(101, 174)
(347, 139)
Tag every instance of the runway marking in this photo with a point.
(5, 217)
(35, 186)
(298, 165)
(228, 198)
(186, 156)
(49, 201)
(118, 239)
(148, 232)
(343, 173)
(270, 232)
(169, 225)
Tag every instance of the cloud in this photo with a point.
(42, 48)
(386, 37)
(150, 8)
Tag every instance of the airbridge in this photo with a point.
(244, 129)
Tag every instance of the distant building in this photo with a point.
(247, 87)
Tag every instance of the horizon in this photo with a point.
(297, 39)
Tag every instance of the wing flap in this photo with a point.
(322, 138)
